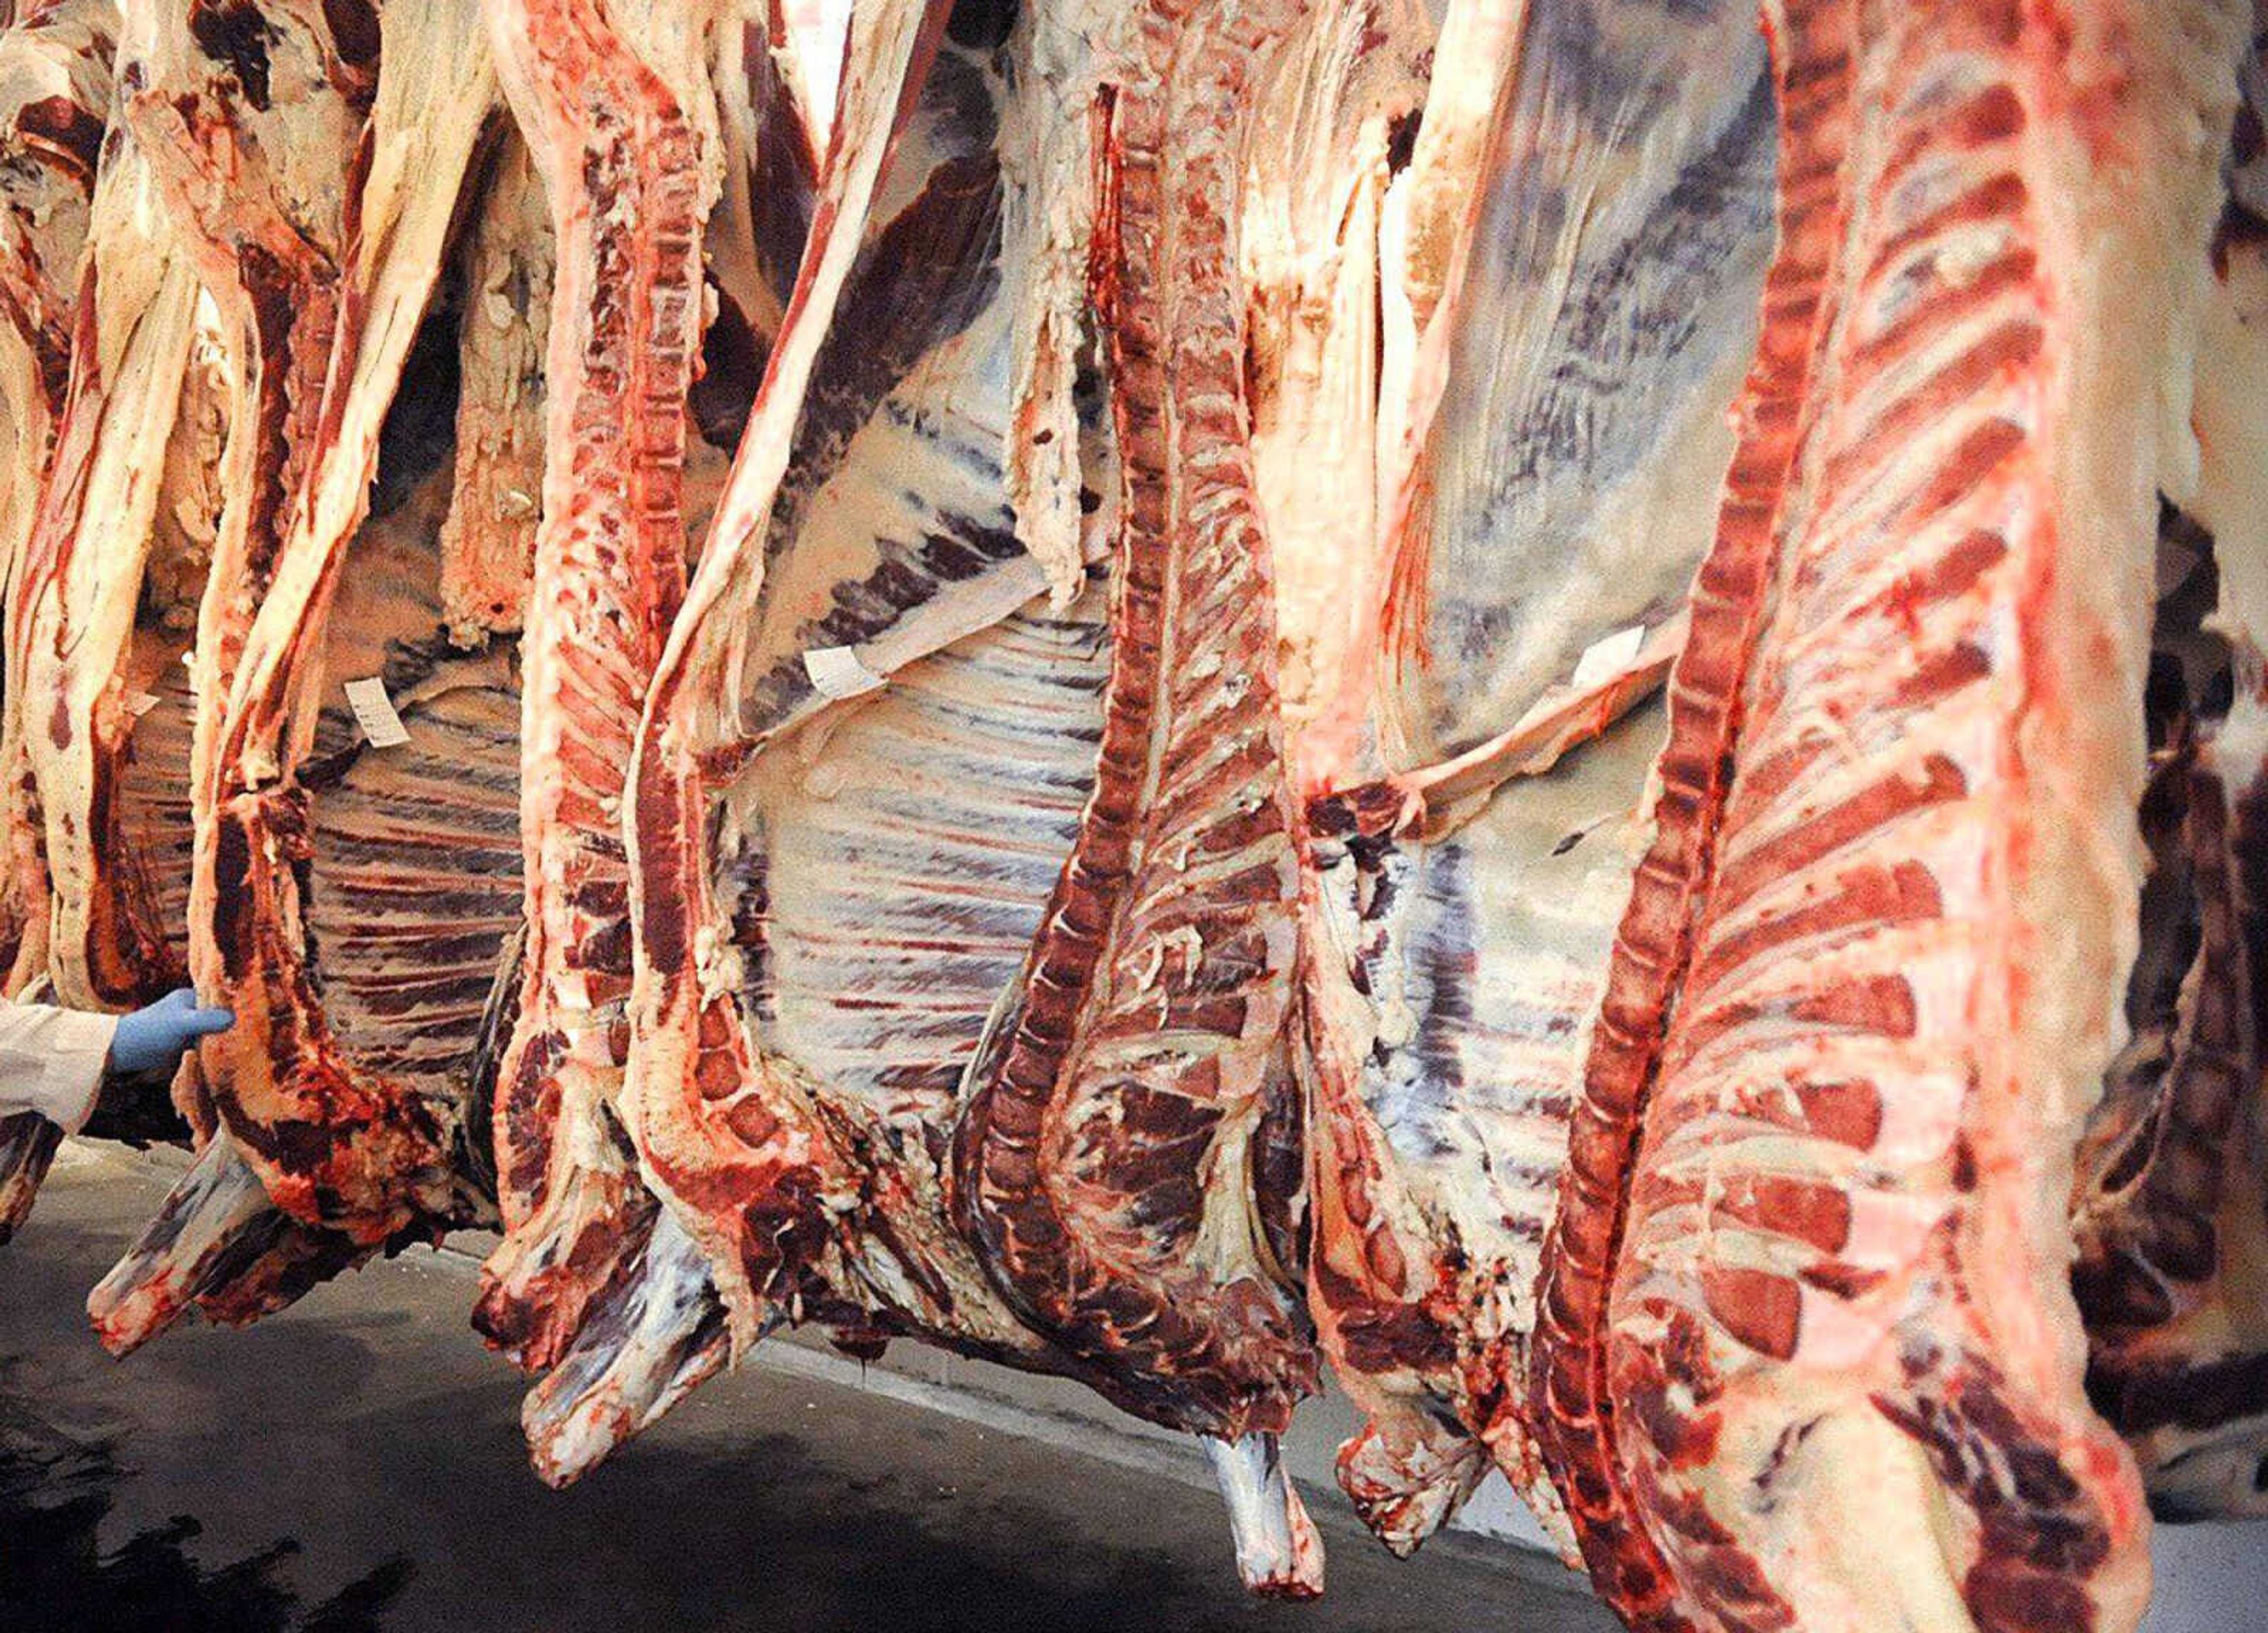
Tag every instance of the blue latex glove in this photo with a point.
(154, 1038)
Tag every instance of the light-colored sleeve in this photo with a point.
(52, 1061)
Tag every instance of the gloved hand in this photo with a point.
(153, 1038)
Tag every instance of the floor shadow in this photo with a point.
(57, 1576)
(357, 1463)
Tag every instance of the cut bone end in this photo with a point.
(1279, 1554)
(646, 1345)
(1404, 1488)
(28, 1147)
(540, 1287)
(216, 1219)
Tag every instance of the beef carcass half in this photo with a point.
(801, 1138)
(314, 843)
(1122, 1159)
(621, 112)
(1602, 299)
(1804, 1303)
(2170, 1201)
(884, 538)
(54, 99)
(883, 543)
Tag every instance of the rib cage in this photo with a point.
(1757, 1287)
(375, 1155)
(980, 765)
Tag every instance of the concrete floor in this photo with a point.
(356, 1464)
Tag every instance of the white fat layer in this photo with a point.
(2232, 492)
(145, 298)
(707, 637)
(1601, 325)
(488, 543)
(1047, 168)
(1308, 248)
(421, 141)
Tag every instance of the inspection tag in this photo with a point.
(374, 713)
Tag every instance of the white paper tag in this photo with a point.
(1608, 657)
(373, 711)
(836, 672)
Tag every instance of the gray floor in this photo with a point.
(355, 1464)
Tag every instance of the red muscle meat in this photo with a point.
(798, 1031)
(630, 159)
(1561, 702)
(1812, 1238)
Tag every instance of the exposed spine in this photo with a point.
(1572, 1416)
(1108, 1154)
(632, 180)
(732, 1146)
(1812, 1256)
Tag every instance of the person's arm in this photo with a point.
(52, 1061)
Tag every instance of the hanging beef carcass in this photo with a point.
(113, 575)
(798, 1136)
(55, 97)
(1120, 1158)
(1154, 695)
(886, 541)
(329, 1120)
(2170, 1203)
(363, 1117)
(1804, 1306)
(1602, 301)
(117, 568)
(635, 151)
